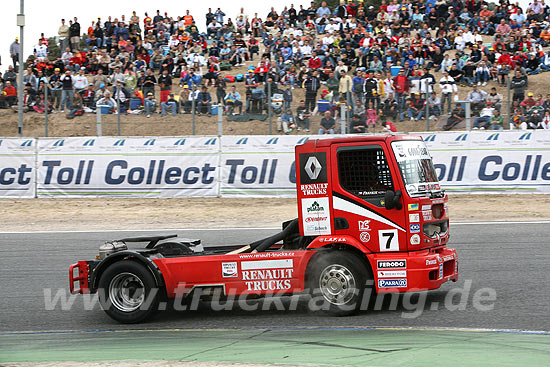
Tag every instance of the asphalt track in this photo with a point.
(510, 258)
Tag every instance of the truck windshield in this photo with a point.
(417, 170)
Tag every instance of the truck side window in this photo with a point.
(364, 172)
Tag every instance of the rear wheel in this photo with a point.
(128, 292)
(338, 280)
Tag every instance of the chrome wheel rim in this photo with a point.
(337, 284)
(126, 292)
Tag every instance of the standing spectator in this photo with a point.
(148, 85)
(165, 82)
(518, 85)
(312, 85)
(14, 52)
(80, 81)
(74, 34)
(64, 35)
(401, 86)
(372, 116)
(327, 124)
(56, 86)
(67, 82)
(448, 87)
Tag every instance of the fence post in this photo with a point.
(46, 110)
(509, 105)
(193, 104)
(270, 118)
(118, 108)
(220, 133)
(343, 114)
(220, 120)
(98, 119)
(427, 107)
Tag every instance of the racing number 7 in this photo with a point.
(390, 237)
(388, 240)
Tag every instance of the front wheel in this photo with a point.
(338, 280)
(128, 292)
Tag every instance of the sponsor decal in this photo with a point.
(332, 239)
(427, 215)
(364, 237)
(437, 201)
(414, 228)
(392, 283)
(431, 262)
(266, 254)
(391, 264)
(314, 189)
(316, 216)
(427, 207)
(412, 207)
(440, 272)
(415, 239)
(315, 219)
(313, 168)
(392, 273)
(414, 218)
(229, 270)
(448, 258)
(364, 225)
(267, 275)
(388, 240)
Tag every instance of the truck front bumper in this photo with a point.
(414, 271)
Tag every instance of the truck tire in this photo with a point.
(337, 282)
(128, 292)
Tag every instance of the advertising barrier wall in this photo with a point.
(247, 166)
(128, 167)
(17, 168)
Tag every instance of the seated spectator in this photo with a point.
(8, 96)
(150, 104)
(233, 99)
(497, 122)
(107, 102)
(477, 99)
(545, 123)
(286, 122)
(171, 104)
(204, 100)
(328, 124)
(434, 105)
(457, 116)
(357, 125)
(302, 117)
(484, 120)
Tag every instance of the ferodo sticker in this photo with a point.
(391, 264)
(229, 270)
(316, 216)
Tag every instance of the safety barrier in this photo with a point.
(246, 166)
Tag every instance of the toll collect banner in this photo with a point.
(260, 166)
(17, 167)
(128, 167)
(485, 161)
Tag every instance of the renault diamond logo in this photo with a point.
(313, 168)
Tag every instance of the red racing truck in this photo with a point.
(371, 214)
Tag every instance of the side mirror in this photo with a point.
(391, 200)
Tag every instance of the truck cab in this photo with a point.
(379, 194)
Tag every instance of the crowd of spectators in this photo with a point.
(381, 61)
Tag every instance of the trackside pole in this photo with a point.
(46, 110)
(343, 118)
(98, 119)
(220, 133)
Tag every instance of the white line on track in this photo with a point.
(313, 328)
(248, 228)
